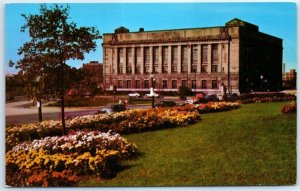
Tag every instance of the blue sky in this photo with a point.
(277, 19)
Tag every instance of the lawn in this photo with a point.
(253, 145)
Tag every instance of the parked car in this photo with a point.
(135, 94)
(155, 95)
(207, 98)
(165, 104)
(113, 108)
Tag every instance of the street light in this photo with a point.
(152, 89)
(261, 77)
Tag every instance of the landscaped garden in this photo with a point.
(255, 144)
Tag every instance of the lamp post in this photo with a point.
(261, 79)
(152, 88)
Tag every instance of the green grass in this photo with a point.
(254, 145)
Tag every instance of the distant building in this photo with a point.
(95, 71)
(289, 79)
(236, 55)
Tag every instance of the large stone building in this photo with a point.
(236, 55)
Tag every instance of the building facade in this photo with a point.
(289, 79)
(236, 56)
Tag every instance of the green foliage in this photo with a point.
(184, 91)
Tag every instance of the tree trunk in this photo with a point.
(63, 113)
(40, 109)
(63, 101)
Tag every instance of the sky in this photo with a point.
(276, 19)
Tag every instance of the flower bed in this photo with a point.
(268, 99)
(217, 106)
(123, 122)
(82, 152)
(289, 108)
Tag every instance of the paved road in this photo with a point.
(24, 112)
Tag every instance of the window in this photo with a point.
(164, 84)
(155, 59)
(165, 59)
(203, 69)
(147, 60)
(184, 59)
(119, 83)
(204, 84)
(174, 55)
(214, 84)
(204, 54)
(137, 83)
(120, 60)
(138, 60)
(214, 68)
(184, 83)
(194, 86)
(129, 60)
(146, 84)
(214, 55)
(194, 58)
(174, 84)
(128, 84)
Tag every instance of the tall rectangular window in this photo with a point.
(194, 58)
(129, 60)
(147, 60)
(215, 56)
(204, 84)
(184, 59)
(204, 56)
(120, 83)
(138, 60)
(155, 59)
(165, 59)
(214, 84)
(194, 85)
(146, 83)
(120, 60)
(184, 83)
(128, 84)
(164, 84)
(137, 84)
(174, 55)
(174, 84)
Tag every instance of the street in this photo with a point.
(21, 112)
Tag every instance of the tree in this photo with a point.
(184, 91)
(55, 40)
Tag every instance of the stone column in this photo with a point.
(115, 60)
(179, 59)
(209, 61)
(133, 60)
(142, 60)
(169, 59)
(199, 59)
(124, 60)
(160, 59)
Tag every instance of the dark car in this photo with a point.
(207, 98)
(165, 104)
